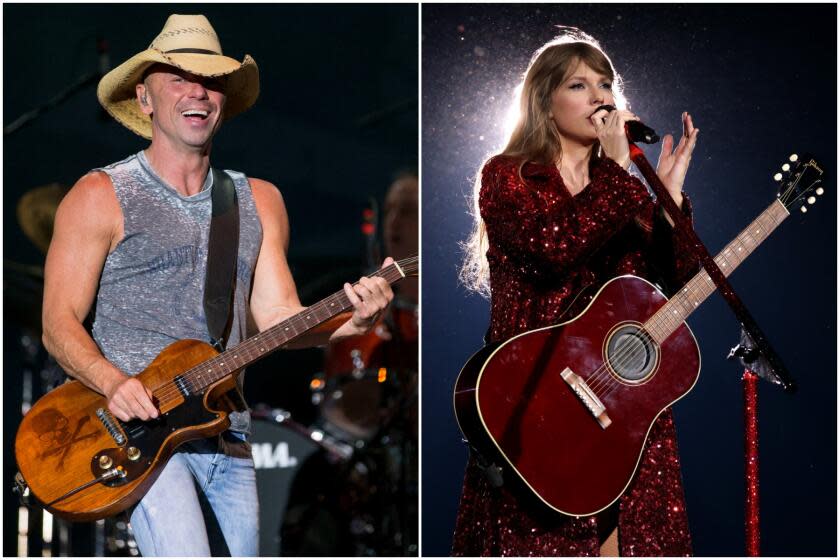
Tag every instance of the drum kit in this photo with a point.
(346, 485)
(343, 485)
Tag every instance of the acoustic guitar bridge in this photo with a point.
(587, 396)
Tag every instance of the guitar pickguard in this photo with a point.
(145, 439)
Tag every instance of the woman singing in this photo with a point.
(556, 212)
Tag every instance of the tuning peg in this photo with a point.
(777, 177)
(820, 190)
(803, 209)
(786, 167)
(793, 157)
(812, 199)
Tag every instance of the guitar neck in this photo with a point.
(260, 345)
(671, 315)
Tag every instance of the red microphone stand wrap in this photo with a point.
(751, 523)
(683, 228)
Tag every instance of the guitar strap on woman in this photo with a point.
(222, 249)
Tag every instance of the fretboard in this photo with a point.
(671, 315)
(197, 379)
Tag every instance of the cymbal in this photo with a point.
(36, 213)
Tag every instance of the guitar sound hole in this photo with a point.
(631, 353)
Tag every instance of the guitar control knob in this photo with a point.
(786, 167)
(803, 209)
(777, 177)
(133, 453)
(820, 190)
(812, 199)
(105, 462)
(793, 157)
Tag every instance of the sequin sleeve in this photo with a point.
(541, 227)
(672, 254)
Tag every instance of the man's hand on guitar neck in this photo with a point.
(128, 398)
(370, 297)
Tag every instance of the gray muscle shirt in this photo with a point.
(151, 292)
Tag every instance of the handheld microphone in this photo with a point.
(636, 131)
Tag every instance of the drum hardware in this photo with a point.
(336, 449)
(281, 449)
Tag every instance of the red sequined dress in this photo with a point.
(545, 247)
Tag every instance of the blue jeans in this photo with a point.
(203, 503)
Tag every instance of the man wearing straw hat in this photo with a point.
(133, 237)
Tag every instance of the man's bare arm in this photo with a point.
(88, 225)
(274, 296)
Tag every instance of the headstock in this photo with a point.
(800, 182)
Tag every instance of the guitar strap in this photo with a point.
(222, 249)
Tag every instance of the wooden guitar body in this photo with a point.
(515, 406)
(82, 463)
(64, 442)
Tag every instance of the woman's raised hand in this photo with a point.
(673, 166)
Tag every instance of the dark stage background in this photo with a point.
(336, 121)
(760, 82)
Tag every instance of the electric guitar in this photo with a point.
(82, 463)
(568, 408)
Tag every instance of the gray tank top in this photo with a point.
(151, 292)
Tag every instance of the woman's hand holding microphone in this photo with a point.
(673, 162)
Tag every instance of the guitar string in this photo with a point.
(635, 348)
(732, 248)
(249, 348)
(631, 350)
(623, 356)
(168, 392)
(191, 376)
(603, 378)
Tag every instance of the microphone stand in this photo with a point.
(91, 78)
(754, 350)
(84, 81)
(683, 228)
(751, 523)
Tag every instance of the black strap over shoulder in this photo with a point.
(222, 250)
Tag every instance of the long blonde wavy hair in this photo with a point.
(535, 136)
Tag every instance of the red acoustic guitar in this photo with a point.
(82, 463)
(568, 408)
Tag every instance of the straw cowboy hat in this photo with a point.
(188, 43)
